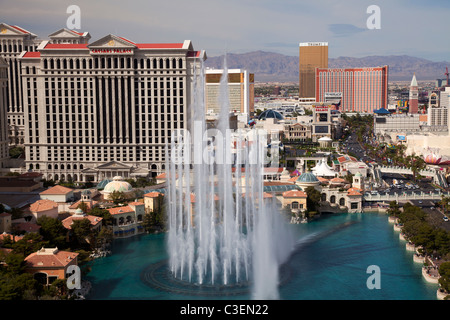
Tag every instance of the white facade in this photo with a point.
(104, 109)
(240, 92)
(4, 139)
(13, 41)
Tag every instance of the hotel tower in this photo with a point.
(312, 55)
(13, 41)
(106, 108)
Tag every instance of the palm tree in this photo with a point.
(416, 164)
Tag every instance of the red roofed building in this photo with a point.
(69, 36)
(294, 199)
(49, 264)
(57, 194)
(127, 220)
(153, 201)
(96, 222)
(44, 207)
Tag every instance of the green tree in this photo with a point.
(444, 272)
(416, 164)
(444, 203)
(16, 286)
(104, 236)
(393, 209)
(81, 230)
(15, 152)
(117, 196)
(53, 231)
(312, 200)
(83, 206)
(31, 242)
(103, 213)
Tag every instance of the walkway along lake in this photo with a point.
(331, 262)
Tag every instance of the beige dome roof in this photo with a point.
(118, 184)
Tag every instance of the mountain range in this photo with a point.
(275, 67)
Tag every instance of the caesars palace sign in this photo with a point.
(111, 51)
(107, 50)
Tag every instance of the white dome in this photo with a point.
(118, 184)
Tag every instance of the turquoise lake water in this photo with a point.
(330, 262)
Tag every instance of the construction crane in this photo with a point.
(446, 73)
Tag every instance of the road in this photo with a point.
(435, 216)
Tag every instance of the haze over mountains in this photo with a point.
(275, 67)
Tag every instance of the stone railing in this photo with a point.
(436, 195)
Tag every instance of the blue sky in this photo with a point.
(411, 27)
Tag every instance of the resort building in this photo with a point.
(5, 222)
(118, 185)
(153, 201)
(58, 194)
(240, 92)
(312, 55)
(69, 36)
(44, 207)
(306, 180)
(437, 112)
(4, 138)
(106, 106)
(360, 90)
(294, 200)
(17, 184)
(50, 264)
(339, 196)
(86, 200)
(127, 219)
(13, 41)
(297, 132)
(96, 222)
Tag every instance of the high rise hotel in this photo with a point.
(13, 41)
(359, 89)
(93, 111)
(312, 55)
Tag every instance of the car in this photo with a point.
(445, 218)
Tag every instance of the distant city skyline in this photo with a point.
(408, 27)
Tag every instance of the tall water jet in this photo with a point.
(223, 229)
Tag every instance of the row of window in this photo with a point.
(113, 63)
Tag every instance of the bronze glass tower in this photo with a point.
(312, 55)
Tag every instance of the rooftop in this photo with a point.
(57, 190)
(43, 205)
(50, 257)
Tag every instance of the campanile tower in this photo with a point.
(413, 96)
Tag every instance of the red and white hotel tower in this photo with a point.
(360, 89)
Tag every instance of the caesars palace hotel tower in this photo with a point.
(106, 108)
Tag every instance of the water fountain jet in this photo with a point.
(221, 240)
